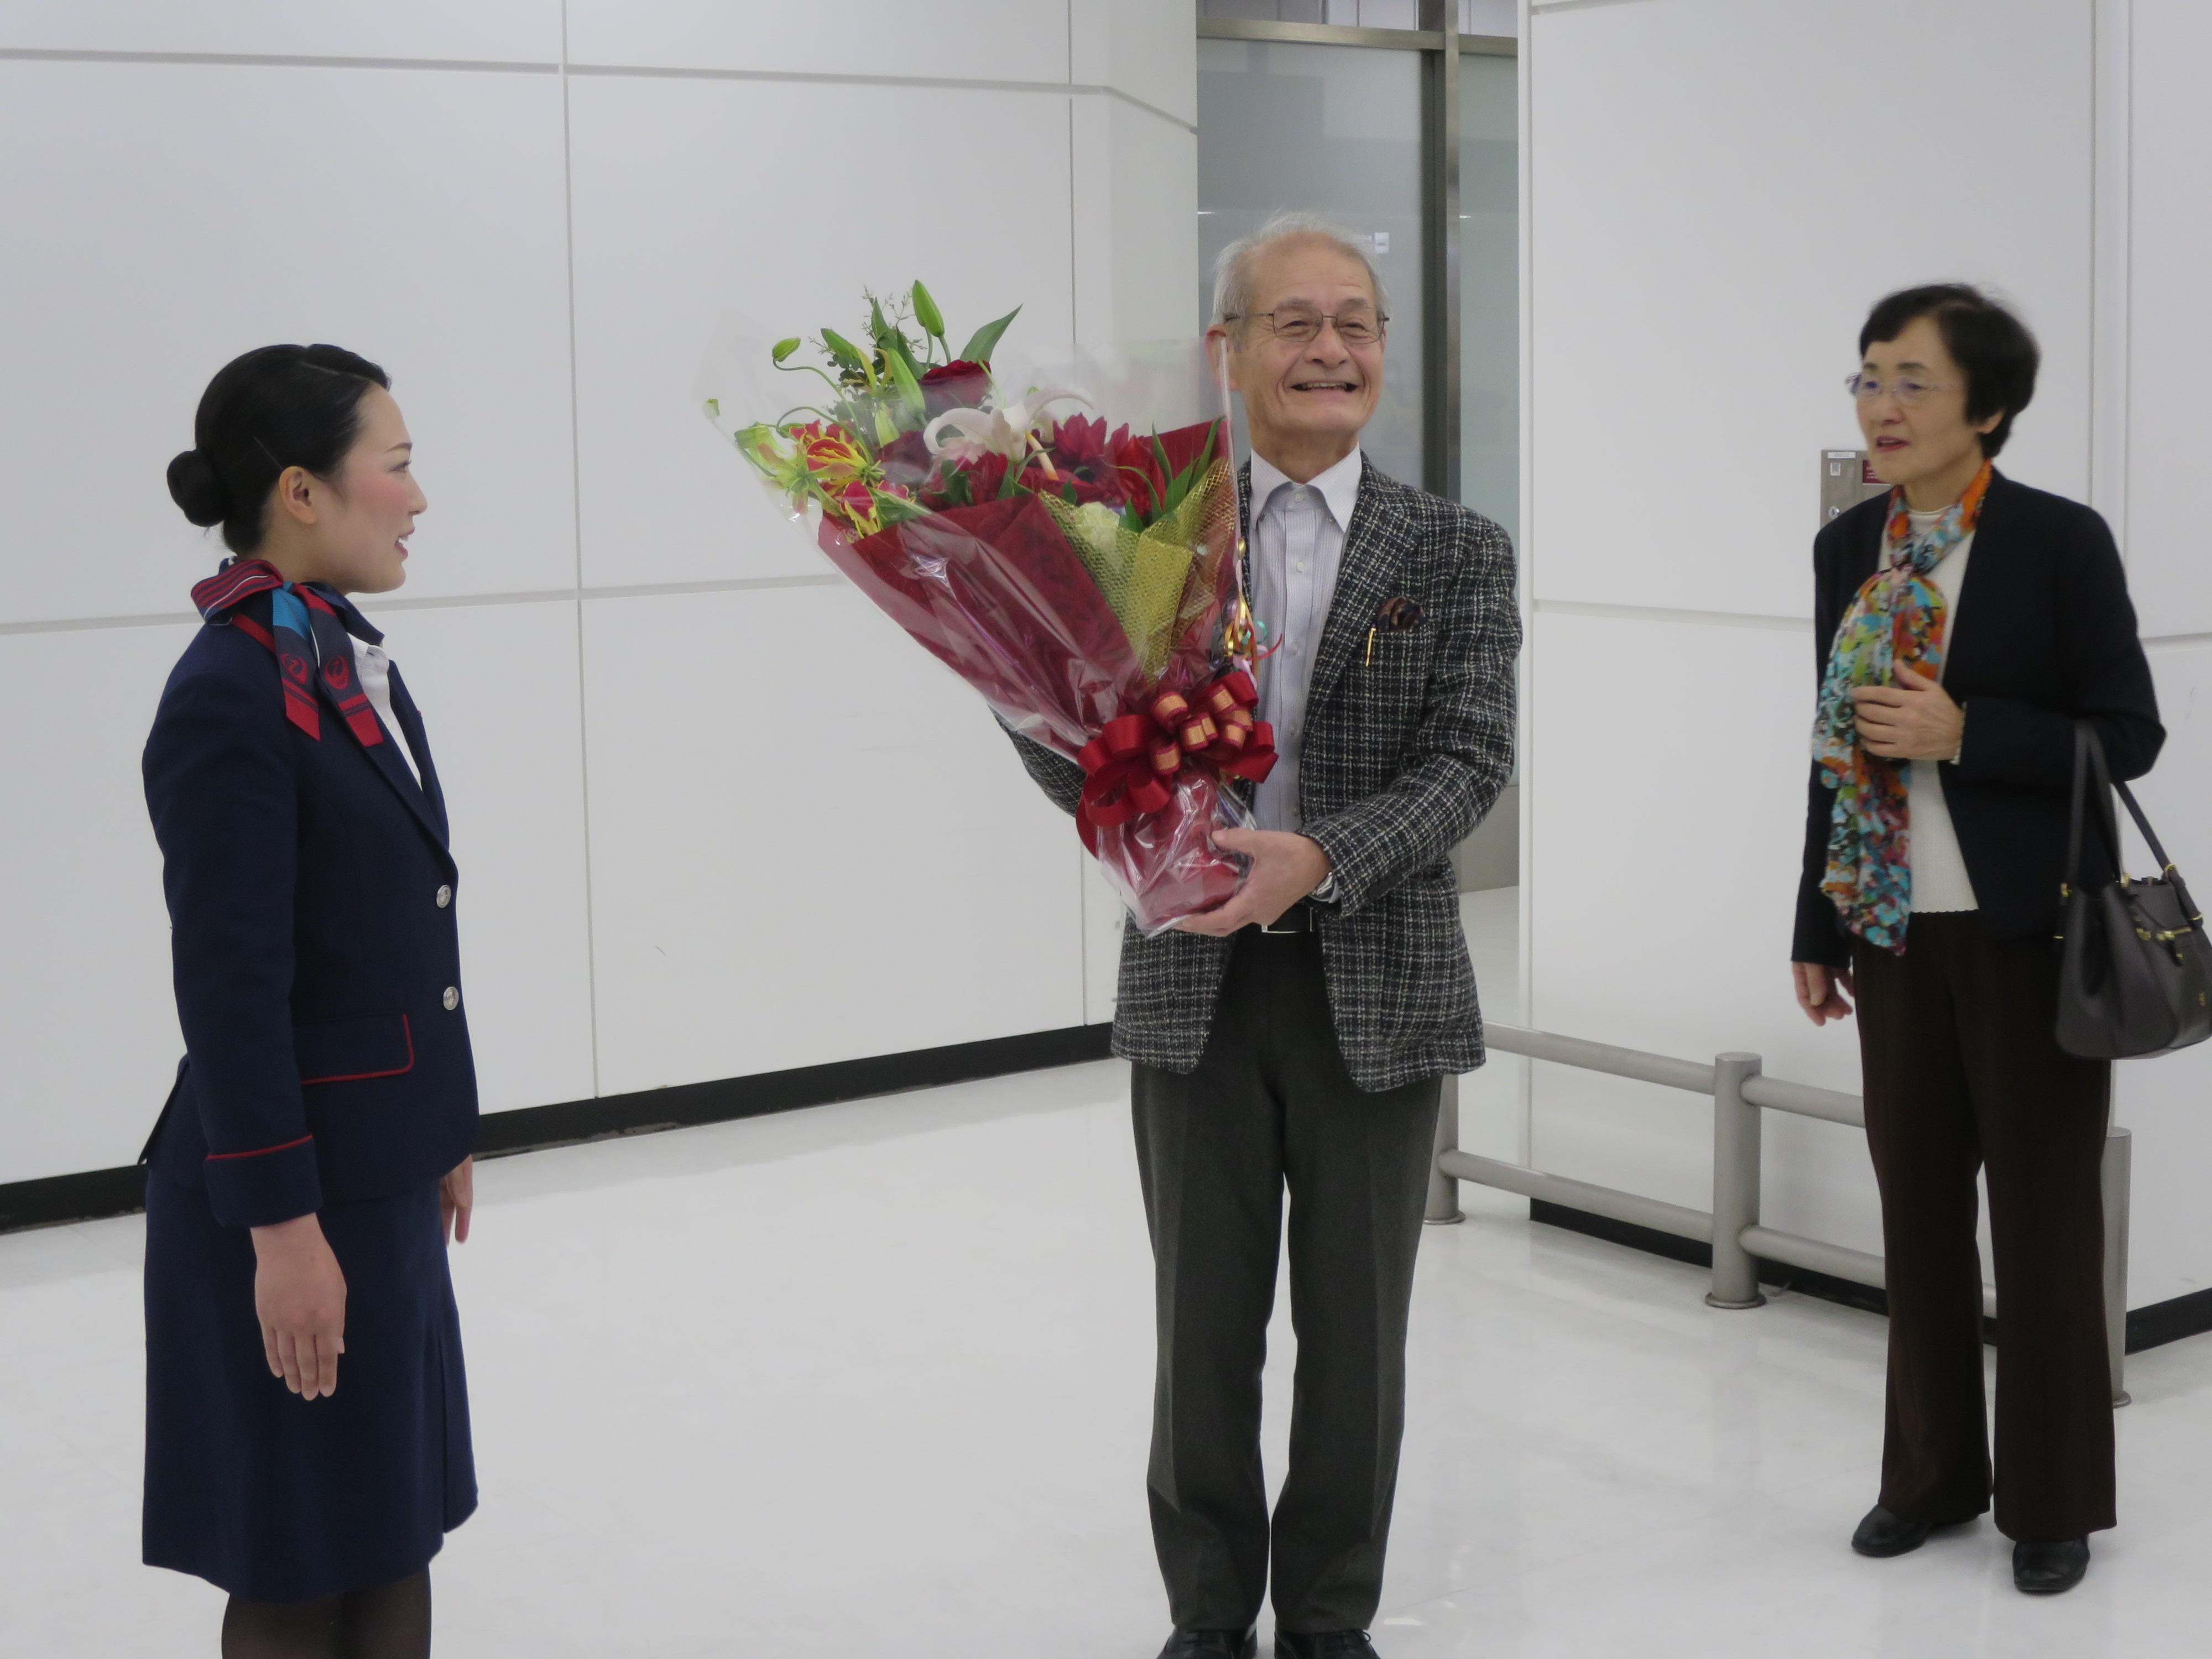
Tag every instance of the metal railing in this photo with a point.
(1739, 1091)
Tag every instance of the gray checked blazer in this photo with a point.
(1403, 756)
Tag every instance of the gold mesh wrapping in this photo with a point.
(1159, 581)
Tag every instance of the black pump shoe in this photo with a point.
(1211, 1645)
(1328, 1644)
(2050, 1569)
(1881, 1534)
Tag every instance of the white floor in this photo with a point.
(873, 1380)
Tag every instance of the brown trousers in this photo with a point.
(1961, 1073)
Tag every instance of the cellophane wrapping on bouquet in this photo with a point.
(1062, 537)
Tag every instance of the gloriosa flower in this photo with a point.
(822, 461)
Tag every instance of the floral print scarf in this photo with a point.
(1897, 619)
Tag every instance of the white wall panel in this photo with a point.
(140, 257)
(499, 688)
(692, 200)
(2164, 1101)
(921, 892)
(1668, 763)
(969, 39)
(809, 842)
(1146, 48)
(502, 30)
(1103, 924)
(89, 1020)
(1667, 770)
(1720, 188)
(1136, 223)
(2168, 323)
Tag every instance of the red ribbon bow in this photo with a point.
(1131, 766)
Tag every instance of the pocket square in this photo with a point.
(1398, 614)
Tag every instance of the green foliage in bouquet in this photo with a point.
(910, 428)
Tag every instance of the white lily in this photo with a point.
(1009, 430)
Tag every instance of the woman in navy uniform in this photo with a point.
(312, 1162)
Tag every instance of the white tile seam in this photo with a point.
(605, 71)
(1782, 624)
(1075, 316)
(547, 596)
(576, 526)
(272, 60)
(1524, 754)
(1668, 614)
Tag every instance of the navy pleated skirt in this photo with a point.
(277, 1499)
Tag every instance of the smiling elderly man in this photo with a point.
(1296, 1037)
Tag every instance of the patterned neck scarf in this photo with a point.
(1897, 619)
(310, 632)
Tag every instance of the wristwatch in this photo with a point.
(1326, 893)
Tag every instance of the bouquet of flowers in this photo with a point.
(1081, 573)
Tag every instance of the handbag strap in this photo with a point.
(2149, 834)
(2090, 754)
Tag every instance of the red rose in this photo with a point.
(960, 385)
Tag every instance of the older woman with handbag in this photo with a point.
(1935, 847)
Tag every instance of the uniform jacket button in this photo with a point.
(445, 896)
(452, 998)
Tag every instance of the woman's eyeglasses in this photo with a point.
(1906, 390)
(1303, 327)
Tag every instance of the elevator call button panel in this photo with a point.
(1845, 481)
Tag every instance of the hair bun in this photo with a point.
(194, 487)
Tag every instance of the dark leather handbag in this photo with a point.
(2135, 974)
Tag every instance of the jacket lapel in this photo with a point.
(1374, 548)
(1244, 526)
(1992, 535)
(418, 743)
(386, 758)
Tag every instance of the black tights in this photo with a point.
(388, 1621)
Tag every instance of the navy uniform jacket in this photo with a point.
(317, 967)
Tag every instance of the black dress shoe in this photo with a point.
(1883, 1534)
(1328, 1645)
(2050, 1569)
(1211, 1645)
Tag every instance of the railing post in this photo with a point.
(1736, 1183)
(1444, 1191)
(2118, 1157)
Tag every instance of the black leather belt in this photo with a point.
(1298, 919)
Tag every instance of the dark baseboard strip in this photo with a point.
(1675, 1248)
(97, 1193)
(2147, 1328)
(2169, 1321)
(88, 1196)
(535, 1128)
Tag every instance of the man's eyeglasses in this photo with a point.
(1303, 327)
(1906, 390)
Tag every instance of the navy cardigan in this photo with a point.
(313, 927)
(2045, 634)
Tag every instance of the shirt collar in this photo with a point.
(1338, 487)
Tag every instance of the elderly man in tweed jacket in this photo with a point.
(1296, 1037)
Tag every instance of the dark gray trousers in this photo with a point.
(1272, 1105)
